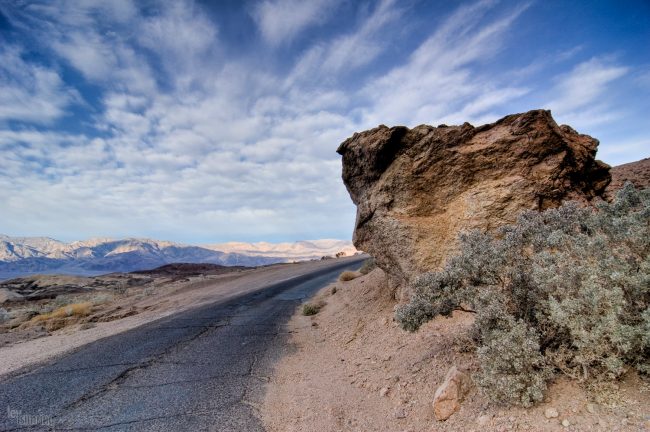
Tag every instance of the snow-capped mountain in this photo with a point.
(20, 256)
(300, 250)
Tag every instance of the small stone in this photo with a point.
(591, 408)
(383, 392)
(400, 413)
(566, 423)
(602, 423)
(551, 413)
(483, 420)
(450, 394)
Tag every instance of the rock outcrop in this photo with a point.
(415, 189)
(636, 172)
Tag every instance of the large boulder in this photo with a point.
(415, 189)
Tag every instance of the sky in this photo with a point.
(216, 121)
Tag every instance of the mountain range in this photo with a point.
(21, 256)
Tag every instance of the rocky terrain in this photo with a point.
(20, 256)
(340, 376)
(37, 305)
(416, 189)
(638, 173)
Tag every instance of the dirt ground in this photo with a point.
(111, 312)
(353, 369)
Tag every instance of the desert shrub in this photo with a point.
(76, 309)
(309, 309)
(348, 276)
(368, 266)
(566, 290)
(333, 290)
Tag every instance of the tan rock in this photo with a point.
(550, 413)
(415, 189)
(483, 420)
(450, 394)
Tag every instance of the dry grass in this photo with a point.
(348, 276)
(75, 309)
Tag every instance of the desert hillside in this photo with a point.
(352, 368)
(511, 289)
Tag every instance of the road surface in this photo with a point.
(199, 370)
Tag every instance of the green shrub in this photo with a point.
(309, 309)
(565, 290)
(368, 266)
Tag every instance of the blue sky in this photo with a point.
(217, 121)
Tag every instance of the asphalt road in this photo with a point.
(200, 370)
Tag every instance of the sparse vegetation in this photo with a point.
(565, 291)
(348, 276)
(368, 266)
(4, 315)
(334, 290)
(309, 309)
(75, 309)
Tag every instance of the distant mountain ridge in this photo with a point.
(21, 256)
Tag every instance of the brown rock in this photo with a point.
(415, 189)
(636, 172)
(450, 394)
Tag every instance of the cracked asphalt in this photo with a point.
(199, 370)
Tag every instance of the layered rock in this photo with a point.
(415, 189)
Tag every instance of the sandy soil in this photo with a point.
(142, 305)
(353, 369)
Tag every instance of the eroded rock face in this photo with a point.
(415, 189)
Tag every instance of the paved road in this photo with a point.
(200, 370)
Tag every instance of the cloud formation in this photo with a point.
(123, 120)
(280, 21)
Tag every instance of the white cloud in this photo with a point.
(584, 85)
(279, 21)
(30, 92)
(348, 52)
(438, 83)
